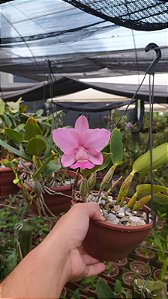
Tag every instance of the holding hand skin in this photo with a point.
(57, 260)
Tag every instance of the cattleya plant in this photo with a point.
(35, 146)
(92, 150)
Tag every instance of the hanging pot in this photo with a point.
(110, 242)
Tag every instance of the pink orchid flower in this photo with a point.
(81, 146)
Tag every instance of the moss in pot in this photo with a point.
(127, 221)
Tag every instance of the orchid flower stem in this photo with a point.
(75, 183)
(114, 185)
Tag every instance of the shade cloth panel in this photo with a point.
(66, 86)
(76, 43)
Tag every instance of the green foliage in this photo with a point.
(116, 147)
(15, 227)
(35, 146)
(149, 289)
(31, 128)
(103, 290)
(14, 135)
(159, 158)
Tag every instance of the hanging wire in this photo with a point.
(132, 100)
(151, 102)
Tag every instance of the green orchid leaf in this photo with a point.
(20, 127)
(159, 158)
(35, 146)
(47, 167)
(7, 121)
(32, 128)
(146, 188)
(116, 147)
(15, 151)
(39, 112)
(52, 167)
(14, 135)
(160, 198)
(2, 107)
(50, 144)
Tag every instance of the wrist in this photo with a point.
(55, 255)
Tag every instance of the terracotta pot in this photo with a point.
(144, 254)
(110, 242)
(7, 176)
(112, 274)
(140, 268)
(156, 275)
(121, 264)
(6, 182)
(57, 203)
(128, 278)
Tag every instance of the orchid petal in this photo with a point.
(83, 165)
(81, 124)
(67, 139)
(67, 160)
(95, 139)
(96, 158)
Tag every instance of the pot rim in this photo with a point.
(58, 188)
(123, 228)
(7, 169)
(146, 266)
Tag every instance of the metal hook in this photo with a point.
(149, 47)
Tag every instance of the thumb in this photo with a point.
(92, 209)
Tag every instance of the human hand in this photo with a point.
(58, 259)
(72, 228)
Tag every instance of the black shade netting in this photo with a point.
(145, 15)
